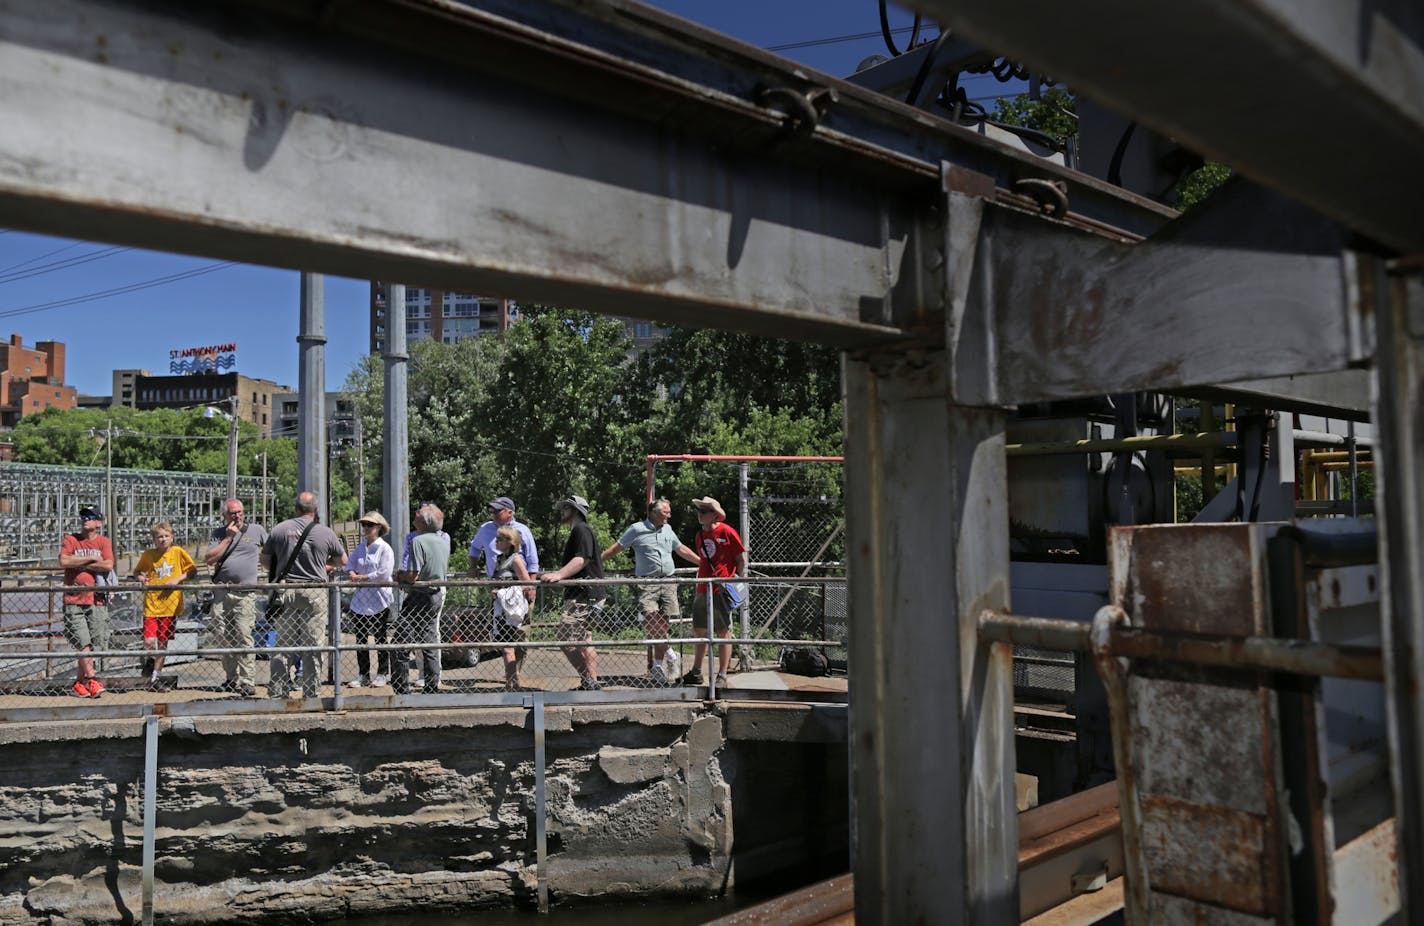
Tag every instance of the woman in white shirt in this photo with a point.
(374, 561)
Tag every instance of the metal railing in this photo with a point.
(242, 648)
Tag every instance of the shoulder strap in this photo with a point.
(291, 560)
(230, 547)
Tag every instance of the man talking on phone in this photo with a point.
(233, 554)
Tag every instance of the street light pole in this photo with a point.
(232, 452)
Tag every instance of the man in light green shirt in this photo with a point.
(654, 544)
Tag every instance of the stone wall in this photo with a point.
(317, 816)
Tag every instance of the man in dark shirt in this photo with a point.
(581, 602)
(303, 619)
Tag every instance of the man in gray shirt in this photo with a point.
(303, 618)
(233, 554)
(654, 544)
(419, 620)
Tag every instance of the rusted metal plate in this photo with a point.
(1366, 878)
(1198, 742)
(1179, 911)
(1218, 856)
(1201, 578)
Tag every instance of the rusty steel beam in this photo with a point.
(1267, 654)
(933, 782)
(1399, 461)
(1317, 98)
(601, 155)
(1053, 313)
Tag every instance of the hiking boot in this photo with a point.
(693, 678)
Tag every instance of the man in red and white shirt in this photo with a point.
(87, 558)
(720, 554)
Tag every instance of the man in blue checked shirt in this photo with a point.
(501, 514)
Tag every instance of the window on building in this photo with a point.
(264, 417)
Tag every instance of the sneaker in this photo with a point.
(378, 682)
(693, 678)
(158, 685)
(80, 689)
(657, 677)
(590, 684)
(721, 680)
(358, 682)
(246, 691)
(96, 688)
(229, 686)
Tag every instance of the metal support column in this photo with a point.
(1399, 506)
(150, 806)
(311, 386)
(931, 705)
(395, 478)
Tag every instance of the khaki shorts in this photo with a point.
(721, 612)
(661, 598)
(87, 625)
(574, 618)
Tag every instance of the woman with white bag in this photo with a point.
(511, 603)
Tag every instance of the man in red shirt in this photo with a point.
(720, 554)
(87, 558)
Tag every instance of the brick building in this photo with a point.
(32, 379)
(186, 390)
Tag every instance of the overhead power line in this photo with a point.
(117, 291)
(836, 39)
(68, 247)
(61, 264)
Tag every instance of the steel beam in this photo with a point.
(1399, 460)
(1320, 99)
(1250, 285)
(935, 821)
(604, 155)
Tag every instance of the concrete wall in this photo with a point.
(323, 815)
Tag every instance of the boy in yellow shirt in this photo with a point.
(164, 564)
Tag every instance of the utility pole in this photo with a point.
(395, 488)
(109, 476)
(232, 452)
(311, 417)
(360, 467)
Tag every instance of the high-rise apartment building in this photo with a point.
(32, 379)
(439, 315)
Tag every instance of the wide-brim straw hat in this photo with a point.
(708, 503)
(376, 518)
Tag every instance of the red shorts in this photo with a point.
(158, 628)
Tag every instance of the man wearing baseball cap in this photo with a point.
(86, 556)
(501, 515)
(721, 555)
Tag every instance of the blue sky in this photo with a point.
(256, 307)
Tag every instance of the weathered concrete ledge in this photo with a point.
(313, 816)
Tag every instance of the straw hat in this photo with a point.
(708, 503)
(375, 517)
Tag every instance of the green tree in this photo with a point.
(1054, 113)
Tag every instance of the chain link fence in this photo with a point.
(291, 641)
(795, 530)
